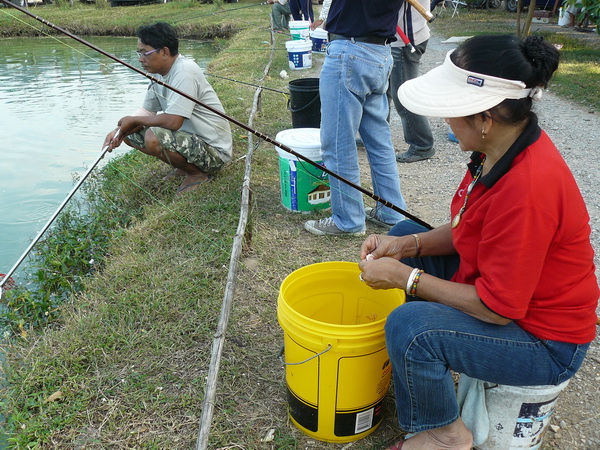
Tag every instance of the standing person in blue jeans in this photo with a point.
(417, 132)
(353, 85)
(506, 292)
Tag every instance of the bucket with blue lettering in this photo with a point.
(518, 416)
(299, 54)
(304, 187)
(319, 40)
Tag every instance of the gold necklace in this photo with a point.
(458, 217)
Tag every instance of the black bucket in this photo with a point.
(305, 103)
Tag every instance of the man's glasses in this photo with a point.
(143, 54)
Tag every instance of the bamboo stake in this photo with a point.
(208, 405)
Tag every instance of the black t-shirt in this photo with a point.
(358, 18)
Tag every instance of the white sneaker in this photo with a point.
(326, 227)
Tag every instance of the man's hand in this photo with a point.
(113, 139)
(316, 24)
(129, 124)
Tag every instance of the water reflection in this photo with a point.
(58, 99)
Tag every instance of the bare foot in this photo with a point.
(455, 436)
(174, 173)
(193, 182)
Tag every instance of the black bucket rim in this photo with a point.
(297, 83)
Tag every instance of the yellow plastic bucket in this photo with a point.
(336, 364)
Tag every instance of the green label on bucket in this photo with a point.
(304, 187)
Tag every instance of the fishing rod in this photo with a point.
(56, 213)
(421, 10)
(229, 118)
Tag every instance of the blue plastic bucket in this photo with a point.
(319, 40)
(299, 54)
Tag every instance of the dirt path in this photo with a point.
(280, 245)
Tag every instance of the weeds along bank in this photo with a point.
(125, 364)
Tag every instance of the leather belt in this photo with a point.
(378, 40)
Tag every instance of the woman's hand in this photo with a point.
(384, 273)
(380, 245)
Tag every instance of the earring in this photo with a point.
(483, 133)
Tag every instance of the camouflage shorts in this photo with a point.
(190, 146)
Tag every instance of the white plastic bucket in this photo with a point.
(299, 54)
(519, 415)
(304, 187)
(319, 40)
(299, 29)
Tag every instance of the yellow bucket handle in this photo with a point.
(329, 347)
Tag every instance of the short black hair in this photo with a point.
(532, 61)
(159, 35)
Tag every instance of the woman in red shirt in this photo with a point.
(507, 290)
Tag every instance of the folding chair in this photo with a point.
(454, 4)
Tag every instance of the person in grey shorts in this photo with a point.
(194, 140)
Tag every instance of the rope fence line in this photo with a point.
(219, 336)
(208, 405)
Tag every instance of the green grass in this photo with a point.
(577, 77)
(129, 351)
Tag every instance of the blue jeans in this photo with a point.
(353, 85)
(426, 340)
(417, 132)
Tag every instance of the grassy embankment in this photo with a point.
(130, 352)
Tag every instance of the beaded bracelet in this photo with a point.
(413, 287)
(418, 243)
(411, 278)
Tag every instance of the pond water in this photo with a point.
(58, 100)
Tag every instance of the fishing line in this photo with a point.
(131, 181)
(76, 50)
(97, 60)
(229, 118)
(248, 84)
(279, 32)
(6, 281)
(191, 17)
(49, 222)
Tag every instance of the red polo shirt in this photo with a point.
(524, 242)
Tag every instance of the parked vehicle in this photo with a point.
(487, 4)
(26, 3)
(548, 5)
(134, 2)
